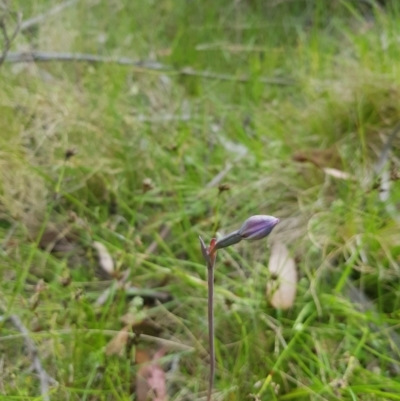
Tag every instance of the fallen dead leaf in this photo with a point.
(150, 381)
(342, 175)
(117, 345)
(281, 290)
(54, 240)
(105, 260)
(319, 157)
(141, 356)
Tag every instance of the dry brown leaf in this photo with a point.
(105, 260)
(142, 356)
(282, 289)
(319, 157)
(117, 345)
(150, 381)
(54, 240)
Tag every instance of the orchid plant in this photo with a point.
(254, 228)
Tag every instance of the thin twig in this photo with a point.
(229, 77)
(37, 364)
(8, 39)
(41, 56)
(159, 340)
(44, 377)
(41, 17)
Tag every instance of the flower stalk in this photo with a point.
(254, 228)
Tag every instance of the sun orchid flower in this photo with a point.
(254, 228)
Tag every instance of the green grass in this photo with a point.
(340, 62)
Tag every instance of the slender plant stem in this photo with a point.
(209, 255)
(210, 271)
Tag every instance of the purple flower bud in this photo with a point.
(255, 227)
(258, 227)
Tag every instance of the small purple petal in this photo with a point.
(258, 227)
